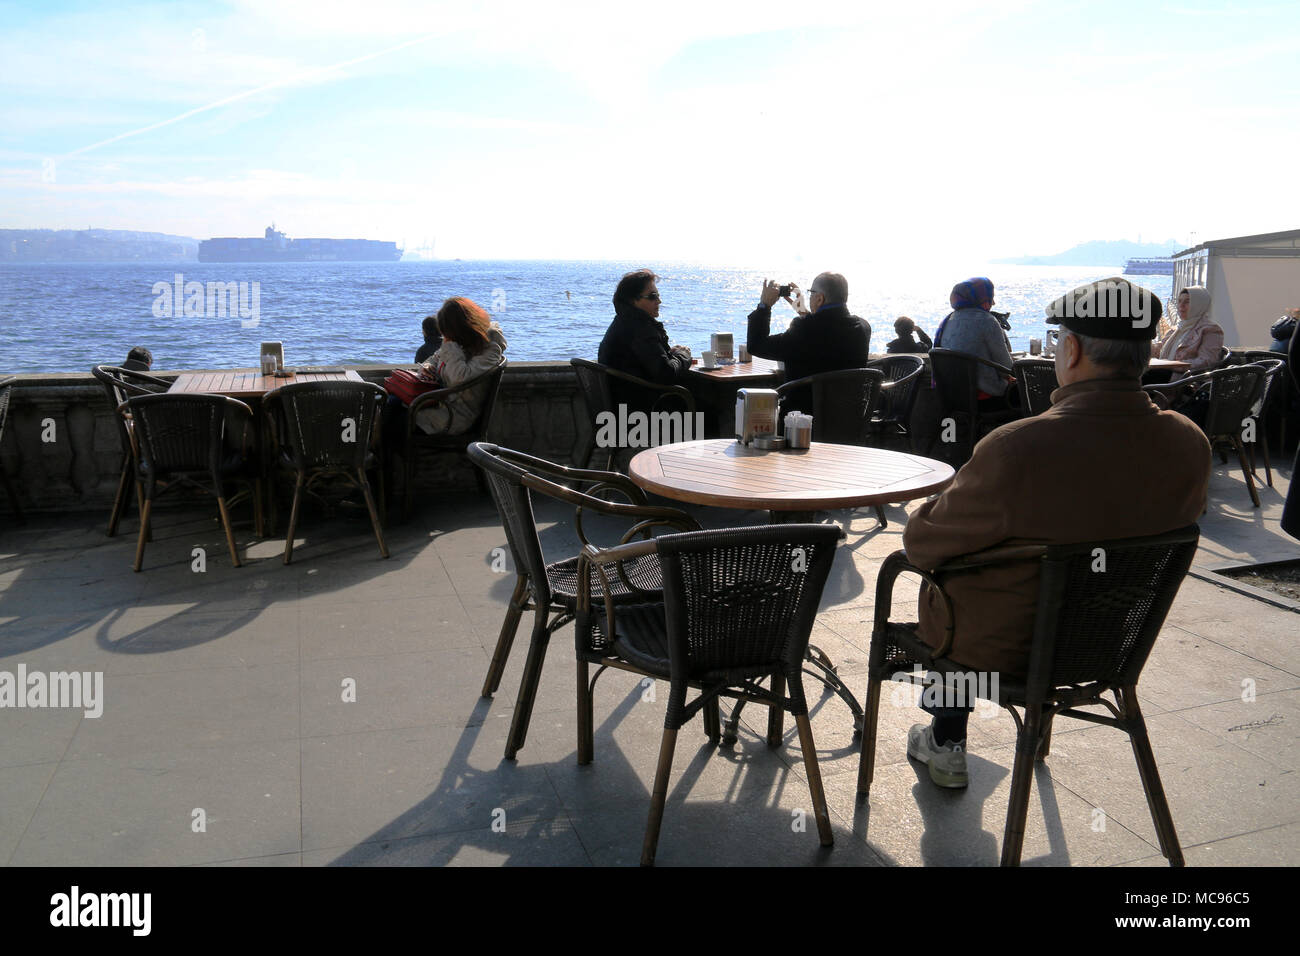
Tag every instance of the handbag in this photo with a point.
(406, 385)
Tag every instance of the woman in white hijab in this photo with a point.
(1195, 340)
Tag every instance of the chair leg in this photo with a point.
(658, 796)
(880, 516)
(586, 716)
(814, 780)
(230, 535)
(1241, 457)
(776, 713)
(120, 501)
(1268, 468)
(139, 501)
(514, 611)
(293, 518)
(712, 720)
(374, 516)
(1045, 748)
(1146, 761)
(528, 685)
(12, 492)
(144, 533)
(1022, 779)
(259, 514)
(407, 471)
(870, 722)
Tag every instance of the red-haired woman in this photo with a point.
(471, 345)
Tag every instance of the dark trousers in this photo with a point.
(949, 722)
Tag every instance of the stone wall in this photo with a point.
(61, 448)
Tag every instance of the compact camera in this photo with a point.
(784, 291)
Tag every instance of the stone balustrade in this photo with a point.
(61, 448)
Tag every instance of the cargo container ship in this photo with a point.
(277, 247)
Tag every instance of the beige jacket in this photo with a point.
(1198, 340)
(1103, 462)
(454, 366)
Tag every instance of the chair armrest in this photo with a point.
(597, 558)
(904, 380)
(1004, 369)
(677, 390)
(596, 477)
(649, 516)
(439, 394)
(886, 387)
(1196, 380)
(890, 569)
(897, 564)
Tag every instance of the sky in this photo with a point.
(721, 132)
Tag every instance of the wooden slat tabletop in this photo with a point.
(725, 474)
(755, 369)
(248, 383)
(1169, 363)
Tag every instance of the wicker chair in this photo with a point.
(179, 442)
(892, 414)
(842, 402)
(842, 405)
(1092, 635)
(1035, 380)
(327, 430)
(738, 605)
(954, 375)
(6, 389)
(1275, 376)
(551, 590)
(1280, 404)
(1234, 391)
(119, 385)
(414, 439)
(598, 383)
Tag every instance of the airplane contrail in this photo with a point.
(253, 92)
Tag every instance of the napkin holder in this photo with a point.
(722, 345)
(271, 348)
(756, 411)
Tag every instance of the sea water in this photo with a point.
(69, 317)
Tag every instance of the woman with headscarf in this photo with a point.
(972, 327)
(1195, 339)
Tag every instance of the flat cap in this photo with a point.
(1111, 308)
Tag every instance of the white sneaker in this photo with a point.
(947, 763)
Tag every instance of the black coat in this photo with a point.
(1291, 509)
(637, 344)
(827, 341)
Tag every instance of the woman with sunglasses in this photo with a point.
(636, 342)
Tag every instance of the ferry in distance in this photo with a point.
(277, 247)
(1158, 266)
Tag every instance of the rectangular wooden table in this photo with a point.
(715, 390)
(247, 383)
(754, 372)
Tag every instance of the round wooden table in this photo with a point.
(726, 474)
(795, 484)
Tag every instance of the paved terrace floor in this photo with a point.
(224, 693)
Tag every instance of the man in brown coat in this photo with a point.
(1103, 462)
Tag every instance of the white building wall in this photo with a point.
(1247, 295)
